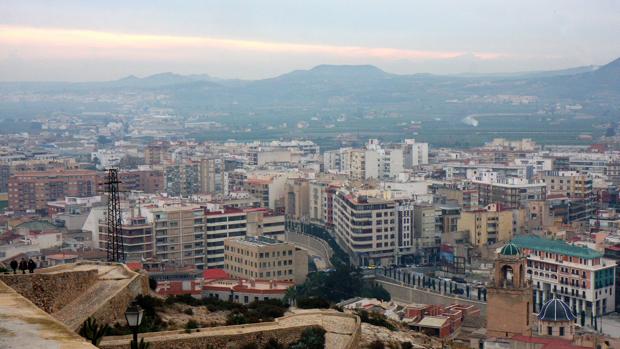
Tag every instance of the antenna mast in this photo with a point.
(114, 247)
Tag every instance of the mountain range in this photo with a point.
(352, 86)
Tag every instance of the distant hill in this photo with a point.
(353, 86)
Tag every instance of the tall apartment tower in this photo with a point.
(510, 295)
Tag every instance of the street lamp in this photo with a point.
(133, 315)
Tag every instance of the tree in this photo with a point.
(191, 324)
(312, 303)
(311, 338)
(290, 295)
(93, 331)
(376, 291)
(152, 284)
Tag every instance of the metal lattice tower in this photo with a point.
(114, 247)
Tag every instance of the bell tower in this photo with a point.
(509, 297)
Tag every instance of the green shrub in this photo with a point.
(312, 303)
(311, 338)
(377, 344)
(93, 331)
(273, 343)
(191, 324)
(376, 319)
(185, 299)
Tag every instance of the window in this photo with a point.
(562, 331)
(549, 330)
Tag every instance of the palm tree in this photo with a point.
(141, 345)
(290, 296)
(93, 331)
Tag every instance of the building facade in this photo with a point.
(262, 258)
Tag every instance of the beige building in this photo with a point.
(268, 188)
(357, 164)
(366, 227)
(487, 226)
(179, 234)
(264, 258)
(264, 222)
(297, 198)
(211, 176)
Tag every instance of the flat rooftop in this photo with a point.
(254, 286)
(258, 241)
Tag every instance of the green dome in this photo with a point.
(509, 249)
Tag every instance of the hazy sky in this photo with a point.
(102, 40)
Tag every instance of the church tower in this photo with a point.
(509, 297)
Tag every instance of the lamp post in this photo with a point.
(133, 315)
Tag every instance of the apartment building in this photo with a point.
(321, 210)
(508, 192)
(426, 237)
(366, 226)
(10, 167)
(336, 160)
(580, 276)
(179, 234)
(148, 181)
(414, 153)
(219, 226)
(183, 179)
(487, 226)
(375, 162)
(157, 153)
(137, 237)
(573, 184)
(32, 190)
(211, 175)
(264, 258)
(268, 188)
(297, 198)
(576, 187)
(265, 222)
(405, 220)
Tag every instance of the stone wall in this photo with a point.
(113, 309)
(343, 331)
(406, 294)
(205, 340)
(50, 292)
(313, 244)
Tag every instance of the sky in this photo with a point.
(106, 40)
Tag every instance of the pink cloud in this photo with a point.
(73, 43)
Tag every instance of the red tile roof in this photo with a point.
(211, 274)
(134, 265)
(548, 343)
